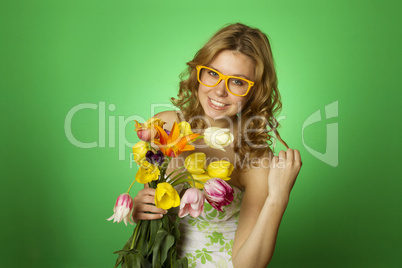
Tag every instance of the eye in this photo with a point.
(212, 73)
(238, 82)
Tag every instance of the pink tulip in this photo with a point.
(146, 131)
(192, 202)
(218, 193)
(146, 134)
(123, 209)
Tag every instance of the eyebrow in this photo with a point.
(238, 75)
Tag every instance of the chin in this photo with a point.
(216, 115)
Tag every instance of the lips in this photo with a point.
(217, 105)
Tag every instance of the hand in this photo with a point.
(144, 206)
(284, 169)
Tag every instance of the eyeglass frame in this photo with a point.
(223, 77)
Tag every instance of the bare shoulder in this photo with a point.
(169, 117)
(255, 173)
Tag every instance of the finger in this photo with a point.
(297, 157)
(149, 216)
(150, 208)
(289, 155)
(144, 199)
(274, 160)
(282, 155)
(147, 191)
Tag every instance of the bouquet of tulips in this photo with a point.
(153, 243)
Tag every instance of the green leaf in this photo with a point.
(167, 244)
(154, 226)
(118, 261)
(222, 214)
(176, 230)
(203, 261)
(217, 234)
(207, 207)
(166, 222)
(181, 263)
(155, 245)
(212, 215)
(141, 262)
(123, 252)
(142, 242)
(131, 261)
(160, 236)
(209, 258)
(126, 247)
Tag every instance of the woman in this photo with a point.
(232, 84)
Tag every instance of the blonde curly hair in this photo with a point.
(260, 110)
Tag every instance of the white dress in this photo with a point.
(207, 241)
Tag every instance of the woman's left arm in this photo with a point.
(267, 190)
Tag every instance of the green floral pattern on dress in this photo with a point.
(207, 241)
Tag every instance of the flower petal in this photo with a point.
(175, 133)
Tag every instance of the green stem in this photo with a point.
(178, 176)
(174, 171)
(192, 178)
(152, 184)
(178, 182)
(182, 180)
(199, 137)
(164, 167)
(135, 233)
(129, 188)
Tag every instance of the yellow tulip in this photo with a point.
(185, 129)
(199, 177)
(195, 163)
(139, 151)
(147, 172)
(220, 169)
(166, 196)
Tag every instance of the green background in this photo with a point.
(55, 55)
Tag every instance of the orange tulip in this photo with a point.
(172, 145)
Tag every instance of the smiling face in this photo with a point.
(216, 101)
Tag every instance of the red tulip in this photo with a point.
(123, 209)
(218, 193)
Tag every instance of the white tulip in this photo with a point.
(218, 138)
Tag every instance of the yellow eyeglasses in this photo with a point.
(235, 85)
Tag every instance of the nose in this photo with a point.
(220, 89)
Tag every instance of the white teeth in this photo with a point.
(217, 103)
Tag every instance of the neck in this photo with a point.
(224, 122)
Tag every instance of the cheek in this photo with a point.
(203, 89)
(240, 101)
